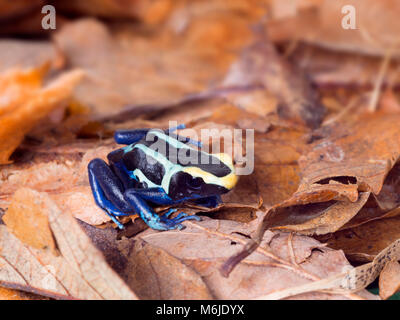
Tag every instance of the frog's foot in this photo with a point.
(175, 223)
(137, 198)
(169, 212)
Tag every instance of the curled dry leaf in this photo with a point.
(316, 218)
(25, 103)
(389, 280)
(79, 272)
(384, 205)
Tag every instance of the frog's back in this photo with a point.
(158, 156)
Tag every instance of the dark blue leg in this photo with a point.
(108, 191)
(173, 129)
(154, 195)
(184, 139)
(129, 136)
(187, 140)
(137, 199)
(132, 136)
(115, 160)
(209, 202)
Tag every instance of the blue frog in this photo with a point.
(140, 176)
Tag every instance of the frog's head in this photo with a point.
(215, 177)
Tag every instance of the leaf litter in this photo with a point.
(325, 181)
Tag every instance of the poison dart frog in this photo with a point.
(139, 176)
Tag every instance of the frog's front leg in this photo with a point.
(133, 136)
(129, 136)
(138, 197)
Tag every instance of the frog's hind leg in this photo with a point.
(137, 198)
(155, 195)
(129, 136)
(108, 191)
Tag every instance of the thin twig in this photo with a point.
(379, 80)
(290, 249)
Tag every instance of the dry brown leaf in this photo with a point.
(322, 25)
(365, 149)
(79, 272)
(306, 213)
(362, 154)
(27, 103)
(389, 280)
(384, 205)
(237, 117)
(362, 243)
(330, 69)
(316, 218)
(261, 65)
(317, 210)
(28, 54)
(9, 294)
(62, 172)
(156, 274)
(359, 153)
(102, 8)
(205, 245)
(27, 220)
(276, 173)
(389, 102)
(16, 9)
(351, 280)
(154, 76)
(200, 63)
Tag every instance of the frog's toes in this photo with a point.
(175, 223)
(169, 212)
(183, 217)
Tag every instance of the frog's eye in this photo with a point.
(195, 183)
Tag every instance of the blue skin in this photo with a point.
(112, 191)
